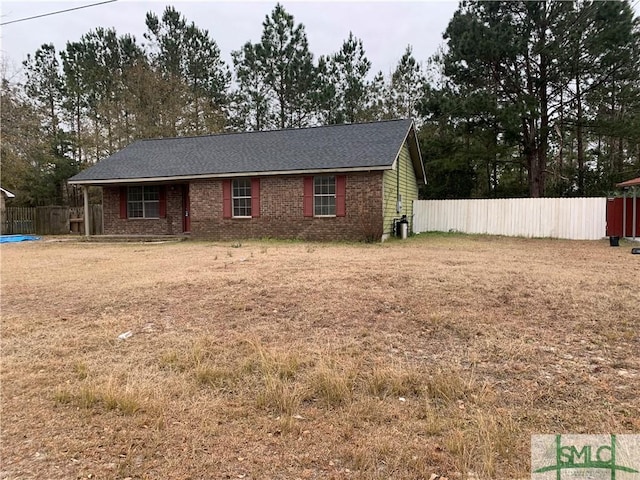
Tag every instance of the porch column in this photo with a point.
(87, 223)
(635, 211)
(624, 213)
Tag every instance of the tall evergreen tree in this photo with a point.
(607, 74)
(276, 77)
(558, 75)
(503, 49)
(351, 67)
(76, 98)
(378, 104)
(44, 84)
(407, 85)
(251, 102)
(327, 100)
(189, 60)
(49, 161)
(288, 66)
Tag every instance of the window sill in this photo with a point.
(324, 216)
(241, 218)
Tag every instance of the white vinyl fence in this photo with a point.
(571, 218)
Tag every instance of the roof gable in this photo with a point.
(351, 147)
(6, 193)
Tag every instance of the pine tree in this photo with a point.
(251, 104)
(44, 84)
(351, 67)
(276, 76)
(407, 85)
(503, 50)
(189, 61)
(287, 66)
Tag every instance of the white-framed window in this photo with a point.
(241, 197)
(324, 196)
(143, 202)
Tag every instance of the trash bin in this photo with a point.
(403, 228)
(614, 241)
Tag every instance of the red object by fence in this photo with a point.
(615, 212)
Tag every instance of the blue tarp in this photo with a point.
(17, 238)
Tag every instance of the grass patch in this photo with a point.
(332, 384)
(283, 364)
(451, 385)
(113, 395)
(122, 399)
(217, 377)
(392, 380)
(280, 396)
(438, 355)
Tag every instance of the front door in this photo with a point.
(186, 209)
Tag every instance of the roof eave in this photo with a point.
(179, 178)
(418, 164)
(414, 151)
(634, 182)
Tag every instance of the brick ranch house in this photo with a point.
(340, 182)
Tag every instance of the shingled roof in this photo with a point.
(351, 147)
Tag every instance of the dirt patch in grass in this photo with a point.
(438, 355)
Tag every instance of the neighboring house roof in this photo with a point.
(7, 193)
(350, 147)
(629, 183)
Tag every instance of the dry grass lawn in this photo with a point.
(285, 360)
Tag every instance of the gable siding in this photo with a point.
(401, 180)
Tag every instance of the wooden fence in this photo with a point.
(49, 220)
(571, 218)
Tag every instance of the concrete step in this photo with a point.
(134, 238)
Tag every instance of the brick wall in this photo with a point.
(114, 225)
(281, 212)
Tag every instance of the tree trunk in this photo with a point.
(78, 127)
(579, 137)
(534, 175)
(561, 136)
(543, 134)
(541, 152)
(534, 157)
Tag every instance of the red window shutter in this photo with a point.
(163, 201)
(307, 199)
(123, 202)
(341, 193)
(226, 199)
(255, 197)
